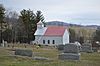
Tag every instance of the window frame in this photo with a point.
(48, 41)
(43, 41)
(53, 41)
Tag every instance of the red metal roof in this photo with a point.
(55, 31)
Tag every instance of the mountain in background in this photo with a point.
(60, 23)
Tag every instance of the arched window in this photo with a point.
(53, 42)
(48, 41)
(43, 41)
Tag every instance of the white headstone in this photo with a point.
(3, 43)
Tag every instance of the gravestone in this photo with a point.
(3, 45)
(69, 56)
(23, 52)
(71, 48)
(71, 52)
(40, 58)
(79, 45)
(87, 47)
(60, 47)
(95, 49)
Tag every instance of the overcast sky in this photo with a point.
(71, 11)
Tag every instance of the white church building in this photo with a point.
(52, 35)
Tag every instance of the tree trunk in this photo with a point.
(1, 34)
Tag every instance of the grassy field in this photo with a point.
(7, 58)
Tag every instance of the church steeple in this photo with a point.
(40, 25)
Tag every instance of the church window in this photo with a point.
(48, 41)
(43, 41)
(53, 42)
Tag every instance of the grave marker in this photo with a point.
(71, 52)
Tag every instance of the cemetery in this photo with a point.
(27, 39)
(20, 55)
(51, 47)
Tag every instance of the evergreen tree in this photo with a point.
(30, 21)
(2, 23)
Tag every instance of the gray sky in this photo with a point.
(71, 11)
